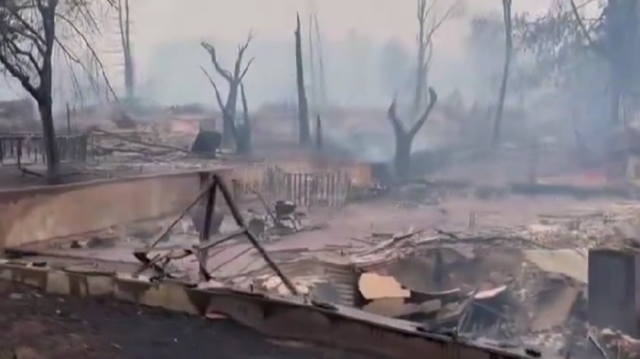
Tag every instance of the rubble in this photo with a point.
(618, 345)
(487, 291)
(476, 275)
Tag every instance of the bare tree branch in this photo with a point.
(438, 22)
(238, 75)
(245, 106)
(234, 80)
(433, 98)
(85, 41)
(214, 59)
(29, 32)
(583, 29)
(392, 115)
(243, 47)
(215, 88)
(428, 23)
(246, 68)
(19, 75)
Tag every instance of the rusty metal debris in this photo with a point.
(159, 262)
(278, 216)
(488, 286)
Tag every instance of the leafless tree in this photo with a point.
(304, 130)
(428, 24)
(404, 138)
(124, 26)
(318, 86)
(244, 128)
(30, 31)
(233, 79)
(615, 38)
(508, 50)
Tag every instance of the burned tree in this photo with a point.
(233, 79)
(428, 25)
(124, 26)
(508, 49)
(318, 133)
(241, 132)
(615, 38)
(592, 59)
(28, 35)
(404, 138)
(244, 128)
(304, 131)
(562, 37)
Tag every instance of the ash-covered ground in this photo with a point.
(39, 326)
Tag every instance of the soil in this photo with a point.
(39, 326)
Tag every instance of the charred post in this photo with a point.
(318, 133)
(244, 129)
(124, 24)
(304, 132)
(508, 50)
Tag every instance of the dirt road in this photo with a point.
(37, 326)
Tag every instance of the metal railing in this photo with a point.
(28, 148)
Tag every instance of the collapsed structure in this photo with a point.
(445, 268)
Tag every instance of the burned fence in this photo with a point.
(28, 148)
(325, 188)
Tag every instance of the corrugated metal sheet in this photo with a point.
(345, 279)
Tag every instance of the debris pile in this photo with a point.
(470, 285)
(615, 343)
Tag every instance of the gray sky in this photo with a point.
(157, 21)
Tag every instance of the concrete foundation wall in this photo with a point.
(311, 322)
(35, 214)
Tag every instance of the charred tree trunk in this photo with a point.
(404, 138)
(304, 132)
(614, 50)
(44, 98)
(124, 22)
(229, 117)
(421, 68)
(318, 133)
(243, 140)
(508, 49)
(45, 109)
(402, 155)
(234, 78)
(129, 81)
